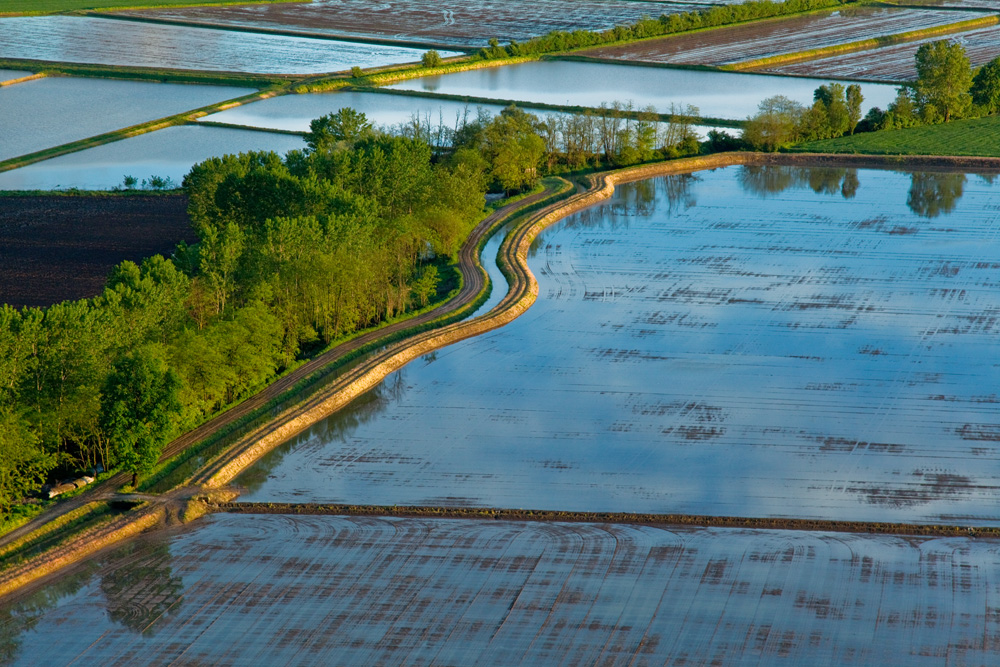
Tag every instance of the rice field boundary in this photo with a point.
(626, 518)
(862, 45)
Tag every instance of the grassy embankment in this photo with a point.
(978, 137)
(41, 7)
(862, 45)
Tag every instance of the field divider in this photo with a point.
(861, 45)
(22, 79)
(625, 518)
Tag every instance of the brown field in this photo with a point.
(893, 63)
(55, 248)
(764, 39)
(469, 23)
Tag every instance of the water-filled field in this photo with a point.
(716, 94)
(768, 38)
(9, 74)
(747, 341)
(79, 39)
(895, 63)
(466, 23)
(294, 112)
(330, 590)
(167, 153)
(52, 111)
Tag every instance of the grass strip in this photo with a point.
(23, 79)
(862, 45)
(158, 75)
(979, 137)
(694, 520)
(132, 131)
(77, 517)
(43, 7)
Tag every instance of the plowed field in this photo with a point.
(58, 248)
(325, 590)
(760, 40)
(894, 63)
(466, 23)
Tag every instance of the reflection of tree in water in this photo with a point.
(768, 180)
(139, 585)
(20, 616)
(336, 427)
(934, 193)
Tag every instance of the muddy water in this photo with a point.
(167, 153)
(49, 112)
(114, 42)
(748, 341)
(716, 94)
(328, 590)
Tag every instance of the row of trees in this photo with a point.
(947, 88)
(779, 121)
(666, 24)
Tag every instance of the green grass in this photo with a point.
(36, 7)
(978, 137)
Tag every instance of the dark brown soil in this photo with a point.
(54, 248)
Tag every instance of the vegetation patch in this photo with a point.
(974, 137)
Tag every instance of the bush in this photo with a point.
(431, 59)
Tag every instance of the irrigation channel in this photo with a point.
(653, 542)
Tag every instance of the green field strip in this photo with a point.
(251, 128)
(127, 132)
(862, 45)
(978, 137)
(695, 520)
(92, 71)
(43, 7)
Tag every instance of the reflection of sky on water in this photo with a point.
(78, 39)
(43, 113)
(167, 153)
(792, 354)
(9, 74)
(296, 590)
(294, 112)
(716, 94)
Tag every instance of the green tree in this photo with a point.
(944, 76)
(24, 464)
(139, 401)
(345, 125)
(431, 59)
(775, 124)
(513, 148)
(854, 101)
(986, 87)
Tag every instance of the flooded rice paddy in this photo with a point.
(52, 111)
(748, 341)
(460, 24)
(167, 153)
(294, 112)
(895, 63)
(716, 94)
(324, 590)
(769, 38)
(79, 39)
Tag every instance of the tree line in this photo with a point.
(293, 252)
(947, 88)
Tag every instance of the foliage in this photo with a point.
(977, 137)
(344, 125)
(775, 125)
(430, 59)
(944, 76)
(139, 401)
(985, 89)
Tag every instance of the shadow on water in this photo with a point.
(139, 585)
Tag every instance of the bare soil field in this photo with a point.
(56, 248)
(894, 63)
(299, 590)
(769, 38)
(465, 24)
